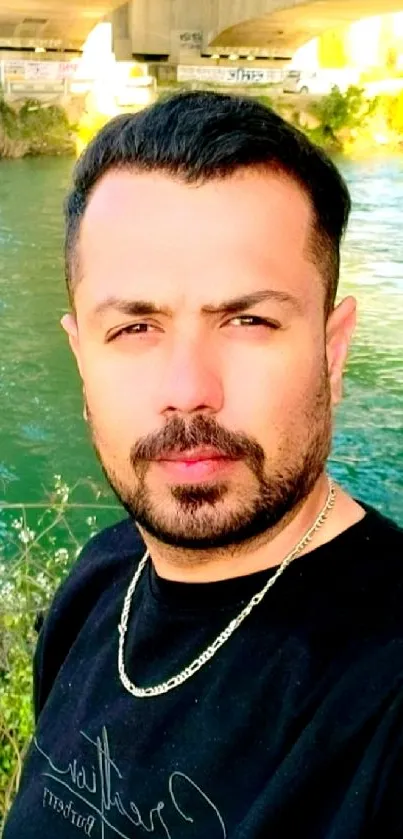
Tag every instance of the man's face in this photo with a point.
(200, 338)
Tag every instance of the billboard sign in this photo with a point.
(230, 75)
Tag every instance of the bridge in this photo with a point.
(285, 25)
(267, 28)
(51, 24)
(182, 30)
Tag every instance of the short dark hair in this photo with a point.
(201, 136)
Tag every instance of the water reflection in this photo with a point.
(368, 451)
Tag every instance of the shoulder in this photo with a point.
(370, 566)
(360, 572)
(374, 539)
(101, 571)
(381, 552)
(378, 529)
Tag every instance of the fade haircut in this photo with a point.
(202, 136)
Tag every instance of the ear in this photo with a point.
(339, 331)
(69, 324)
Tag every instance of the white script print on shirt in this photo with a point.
(88, 796)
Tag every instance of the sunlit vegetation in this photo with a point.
(34, 129)
(38, 547)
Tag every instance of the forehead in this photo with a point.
(148, 234)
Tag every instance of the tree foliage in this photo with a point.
(339, 115)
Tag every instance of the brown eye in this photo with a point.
(253, 320)
(135, 329)
(141, 328)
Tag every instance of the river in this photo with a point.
(42, 433)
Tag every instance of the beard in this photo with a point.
(220, 513)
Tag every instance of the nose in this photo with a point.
(191, 380)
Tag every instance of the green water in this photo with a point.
(42, 432)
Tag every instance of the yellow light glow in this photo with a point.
(363, 41)
(398, 24)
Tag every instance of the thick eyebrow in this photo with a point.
(144, 308)
(132, 308)
(247, 301)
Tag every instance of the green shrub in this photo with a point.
(35, 565)
(34, 129)
(46, 129)
(340, 115)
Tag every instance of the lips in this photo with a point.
(193, 455)
(198, 465)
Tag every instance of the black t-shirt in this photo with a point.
(293, 729)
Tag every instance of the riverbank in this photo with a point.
(348, 123)
(34, 129)
(351, 123)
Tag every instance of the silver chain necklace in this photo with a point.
(207, 654)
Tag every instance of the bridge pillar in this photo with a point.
(170, 29)
(121, 32)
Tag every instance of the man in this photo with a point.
(228, 661)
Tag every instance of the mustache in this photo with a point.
(179, 435)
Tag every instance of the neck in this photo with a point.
(266, 551)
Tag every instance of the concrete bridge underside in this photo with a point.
(60, 24)
(153, 26)
(266, 27)
(288, 24)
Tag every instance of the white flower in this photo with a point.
(26, 536)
